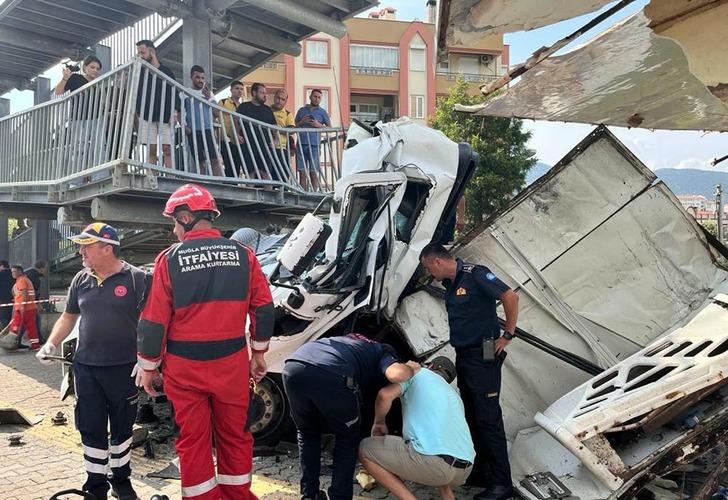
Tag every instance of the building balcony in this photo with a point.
(470, 77)
(368, 70)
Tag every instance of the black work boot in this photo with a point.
(123, 490)
(321, 496)
(495, 493)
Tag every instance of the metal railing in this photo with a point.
(470, 77)
(373, 71)
(139, 117)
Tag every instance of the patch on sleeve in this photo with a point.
(490, 276)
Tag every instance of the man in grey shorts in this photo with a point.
(436, 448)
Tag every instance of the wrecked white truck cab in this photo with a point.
(619, 372)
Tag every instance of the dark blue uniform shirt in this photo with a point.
(470, 300)
(350, 356)
(109, 312)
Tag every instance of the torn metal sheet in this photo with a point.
(462, 22)
(628, 76)
(618, 251)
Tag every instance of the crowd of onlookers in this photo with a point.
(231, 146)
(20, 291)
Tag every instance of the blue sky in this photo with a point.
(551, 141)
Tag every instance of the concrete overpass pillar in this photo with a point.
(4, 248)
(41, 90)
(196, 45)
(103, 52)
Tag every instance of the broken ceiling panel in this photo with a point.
(698, 26)
(627, 76)
(462, 22)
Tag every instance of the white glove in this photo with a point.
(136, 374)
(48, 349)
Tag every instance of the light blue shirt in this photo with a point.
(319, 114)
(434, 417)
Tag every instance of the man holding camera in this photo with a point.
(471, 295)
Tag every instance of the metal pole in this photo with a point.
(719, 208)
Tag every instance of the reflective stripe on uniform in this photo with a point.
(234, 480)
(95, 452)
(94, 468)
(120, 462)
(121, 448)
(259, 346)
(200, 488)
(146, 364)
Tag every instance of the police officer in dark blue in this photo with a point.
(471, 293)
(325, 381)
(107, 296)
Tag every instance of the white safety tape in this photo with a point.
(10, 304)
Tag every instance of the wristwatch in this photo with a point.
(508, 335)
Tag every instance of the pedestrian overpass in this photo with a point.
(80, 157)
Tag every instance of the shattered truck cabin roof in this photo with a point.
(662, 68)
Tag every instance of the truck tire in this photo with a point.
(269, 415)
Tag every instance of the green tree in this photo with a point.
(504, 159)
(712, 227)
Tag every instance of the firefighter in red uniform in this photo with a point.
(193, 325)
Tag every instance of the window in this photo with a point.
(374, 56)
(444, 66)
(317, 52)
(469, 65)
(417, 105)
(417, 59)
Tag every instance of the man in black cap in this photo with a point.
(324, 381)
(435, 448)
(107, 295)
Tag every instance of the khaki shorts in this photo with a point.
(152, 133)
(401, 459)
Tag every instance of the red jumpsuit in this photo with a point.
(203, 290)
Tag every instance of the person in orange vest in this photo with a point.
(193, 326)
(24, 308)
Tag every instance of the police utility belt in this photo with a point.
(485, 351)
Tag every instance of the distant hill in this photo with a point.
(679, 180)
(692, 180)
(537, 171)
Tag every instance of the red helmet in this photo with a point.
(195, 198)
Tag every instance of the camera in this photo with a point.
(73, 68)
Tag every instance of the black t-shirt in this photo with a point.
(34, 276)
(350, 356)
(109, 315)
(261, 113)
(80, 105)
(75, 82)
(153, 105)
(6, 287)
(470, 300)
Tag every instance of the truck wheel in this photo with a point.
(269, 415)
